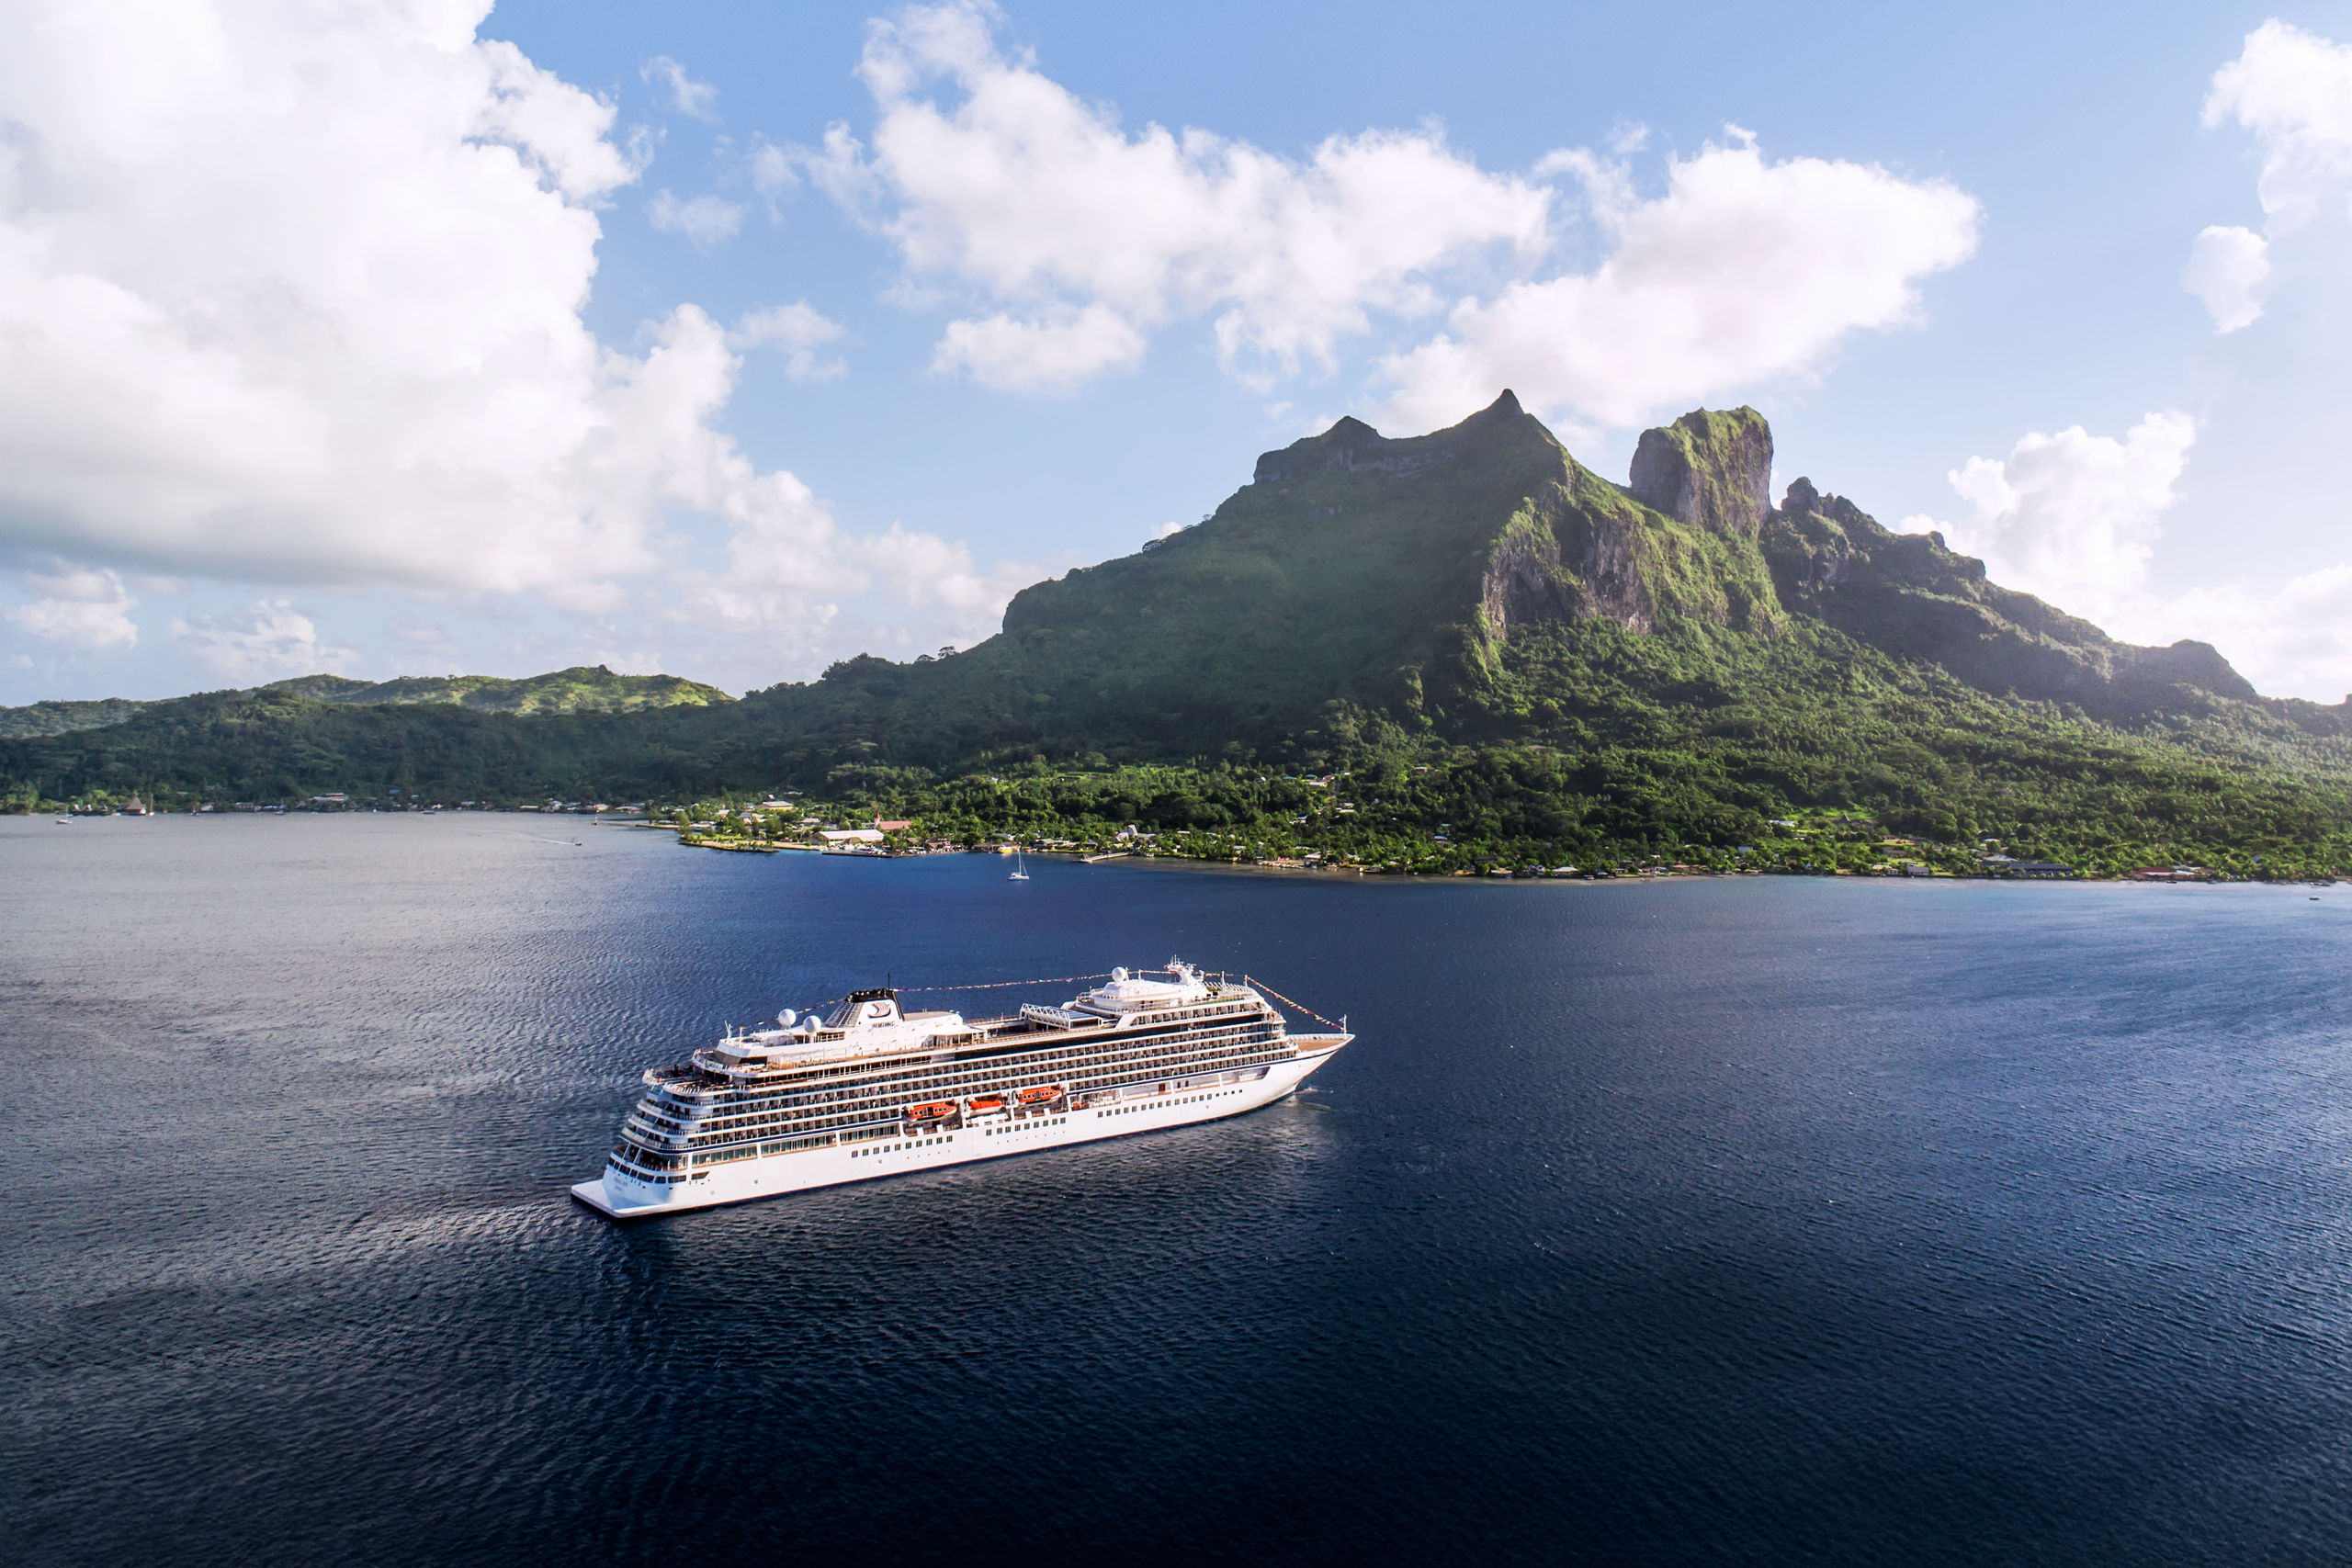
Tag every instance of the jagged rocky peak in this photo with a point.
(1710, 467)
(1857, 532)
(1802, 499)
(1353, 446)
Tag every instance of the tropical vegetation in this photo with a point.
(1458, 652)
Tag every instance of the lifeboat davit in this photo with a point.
(987, 1103)
(1041, 1094)
(930, 1112)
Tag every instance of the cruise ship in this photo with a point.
(870, 1089)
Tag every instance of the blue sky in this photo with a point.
(361, 336)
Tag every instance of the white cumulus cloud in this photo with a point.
(83, 609)
(2228, 269)
(290, 293)
(2295, 641)
(704, 219)
(1070, 239)
(2075, 519)
(1741, 270)
(1079, 238)
(1054, 352)
(265, 641)
(2292, 90)
(686, 95)
(797, 331)
(783, 542)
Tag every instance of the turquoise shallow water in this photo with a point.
(1766, 1221)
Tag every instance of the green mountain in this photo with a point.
(62, 718)
(582, 689)
(1479, 583)
(1504, 644)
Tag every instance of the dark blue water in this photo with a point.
(1768, 1221)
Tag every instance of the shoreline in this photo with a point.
(1358, 873)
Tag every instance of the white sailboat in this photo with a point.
(1020, 866)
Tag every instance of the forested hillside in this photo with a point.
(1538, 661)
(584, 689)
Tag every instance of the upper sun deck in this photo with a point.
(1124, 993)
(1126, 1001)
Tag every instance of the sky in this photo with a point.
(395, 337)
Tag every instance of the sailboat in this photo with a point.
(1020, 866)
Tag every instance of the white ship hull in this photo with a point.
(621, 1198)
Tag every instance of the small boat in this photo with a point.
(934, 1112)
(1043, 1094)
(1020, 867)
(984, 1103)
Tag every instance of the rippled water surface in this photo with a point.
(1768, 1221)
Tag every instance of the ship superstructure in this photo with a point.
(869, 1088)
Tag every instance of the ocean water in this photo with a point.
(1760, 1221)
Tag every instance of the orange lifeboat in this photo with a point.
(983, 1103)
(1041, 1094)
(930, 1112)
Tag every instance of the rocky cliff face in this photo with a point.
(1575, 553)
(1560, 560)
(1708, 469)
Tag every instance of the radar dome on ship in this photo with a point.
(785, 1019)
